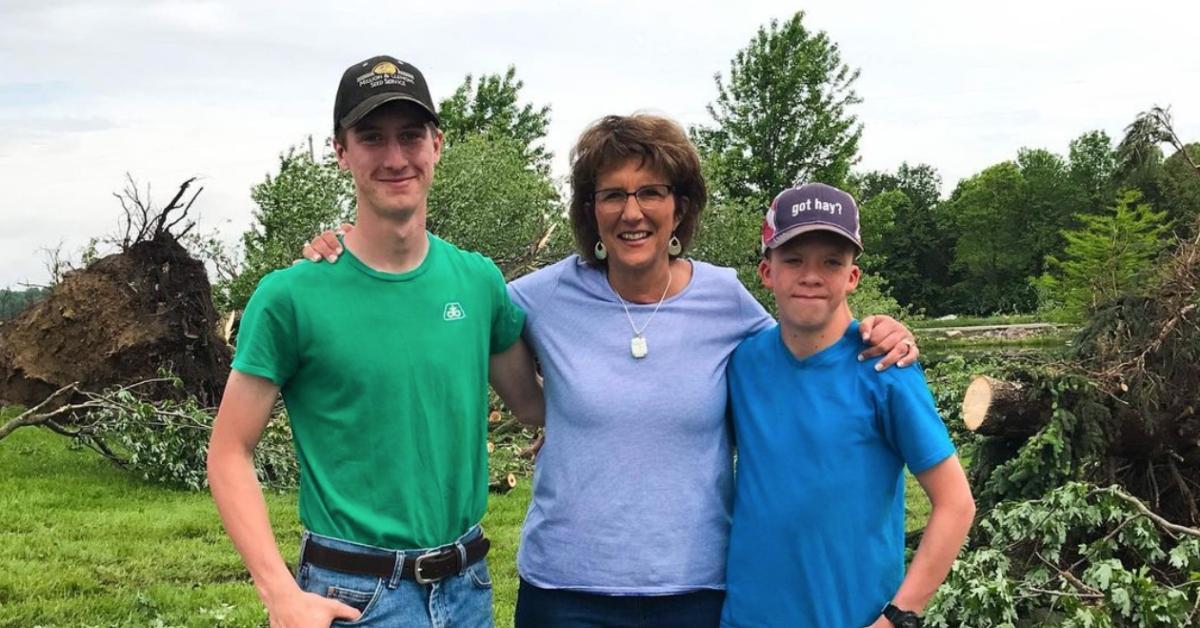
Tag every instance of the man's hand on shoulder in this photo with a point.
(325, 245)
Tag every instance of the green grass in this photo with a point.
(83, 543)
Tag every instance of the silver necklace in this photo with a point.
(637, 344)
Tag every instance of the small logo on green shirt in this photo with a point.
(453, 312)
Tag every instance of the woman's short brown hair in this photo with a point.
(661, 144)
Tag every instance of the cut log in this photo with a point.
(494, 416)
(993, 407)
(504, 484)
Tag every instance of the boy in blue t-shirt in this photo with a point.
(823, 439)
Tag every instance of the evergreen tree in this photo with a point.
(1106, 256)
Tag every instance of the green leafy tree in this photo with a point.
(782, 116)
(991, 250)
(918, 250)
(1180, 186)
(1093, 163)
(877, 216)
(1107, 256)
(1050, 201)
(487, 198)
(1140, 154)
(491, 107)
(309, 194)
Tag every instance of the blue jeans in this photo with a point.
(559, 608)
(463, 600)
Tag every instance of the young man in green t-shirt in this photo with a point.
(388, 422)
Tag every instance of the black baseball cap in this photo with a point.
(378, 80)
(807, 208)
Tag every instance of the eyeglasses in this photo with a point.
(649, 197)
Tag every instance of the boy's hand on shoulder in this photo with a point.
(325, 245)
(891, 339)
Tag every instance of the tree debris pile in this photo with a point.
(123, 319)
(1125, 410)
(1087, 474)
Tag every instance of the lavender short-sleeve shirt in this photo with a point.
(633, 488)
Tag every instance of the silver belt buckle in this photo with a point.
(417, 567)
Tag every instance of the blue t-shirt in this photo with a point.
(633, 488)
(818, 518)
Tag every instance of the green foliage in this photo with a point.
(1050, 201)
(948, 379)
(12, 302)
(914, 253)
(877, 216)
(1180, 185)
(1093, 162)
(309, 194)
(782, 116)
(1077, 556)
(873, 296)
(1107, 256)
(167, 441)
(490, 108)
(991, 252)
(487, 198)
(731, 235)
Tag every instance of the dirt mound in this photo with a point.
(118, 321)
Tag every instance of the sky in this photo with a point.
(166, 90)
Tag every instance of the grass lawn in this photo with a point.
(83, 543)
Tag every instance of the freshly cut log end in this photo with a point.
(494, 416)
(976, 402)
(504, 484)
(993, 407)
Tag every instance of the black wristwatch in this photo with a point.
(902, 618)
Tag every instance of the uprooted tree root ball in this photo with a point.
(123, 319)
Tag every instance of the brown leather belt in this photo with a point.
(424, 568)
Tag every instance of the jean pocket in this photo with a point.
(356, 591)
(480, 576)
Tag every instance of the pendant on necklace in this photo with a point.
(637, 347)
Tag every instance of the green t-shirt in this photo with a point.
(385, 381)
